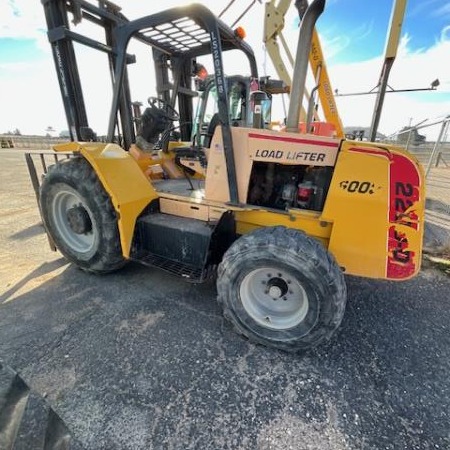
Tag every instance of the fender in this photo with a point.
(130, 191)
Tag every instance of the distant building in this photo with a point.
(410, 134)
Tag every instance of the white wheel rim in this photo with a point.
(64, 200)
(274, 298)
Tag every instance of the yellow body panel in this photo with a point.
(249, 220)
(377, 230)
(147, 160)
(123, 180)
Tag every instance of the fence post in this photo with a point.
(437, 143)
(409, 139)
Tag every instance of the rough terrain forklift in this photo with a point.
(276, 216)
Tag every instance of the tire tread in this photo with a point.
(71, 171)
(292, 242)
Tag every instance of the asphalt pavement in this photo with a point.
(140, 359)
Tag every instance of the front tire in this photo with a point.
(282, 289)
(80, 218)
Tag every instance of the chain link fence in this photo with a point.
(435, 158)
(30, 142)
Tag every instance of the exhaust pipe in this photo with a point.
(307, 24)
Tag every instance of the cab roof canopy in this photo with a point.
(185, 30)
(180, 34)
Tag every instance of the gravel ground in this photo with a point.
(437, 226)
(142, 360)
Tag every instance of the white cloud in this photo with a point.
(24, 19)
(442, 10)
(21, 19)
(364, 30)
(445, 33)
(411, 70)
(31, 95)
(336, 45)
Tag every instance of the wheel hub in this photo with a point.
(79, 220)
(277, 288)
(274, 298)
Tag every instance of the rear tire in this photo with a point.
(282, 289)
(80, 218)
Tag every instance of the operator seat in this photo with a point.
(152, 123)
(197, 152)
(211, 129)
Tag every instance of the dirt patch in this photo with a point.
(54, 383)
(290, 432)
(140, 323)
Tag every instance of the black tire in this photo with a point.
(26, 420)
(80, 218)
(282, 289)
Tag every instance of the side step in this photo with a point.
(179, 245)
(186, 247)
(190, 273)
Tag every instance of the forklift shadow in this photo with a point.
(27, 233)
(43, 269)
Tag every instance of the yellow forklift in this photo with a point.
(277, 216)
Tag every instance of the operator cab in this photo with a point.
(245, 96)
(241, 106)
(249, 105)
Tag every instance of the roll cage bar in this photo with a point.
(181, 34)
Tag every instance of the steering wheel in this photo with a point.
(169, 111)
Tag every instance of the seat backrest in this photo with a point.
(210, 131)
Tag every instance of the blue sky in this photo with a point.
(353, 34)
(363, 24)
(17, 50)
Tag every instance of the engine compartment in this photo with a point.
(282, 186)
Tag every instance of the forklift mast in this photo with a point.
(62, 38)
